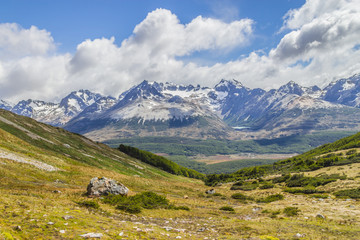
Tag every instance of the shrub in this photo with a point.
(89, 204)
(267, 186)
(245, 186)
(271, 198)
(240, 196)
(307, 190)
(281, 179)
(185, 208)
(133, 204)
(348, 193)
(227, 208)
(114, 199)
(299, 180)
(150, 200)
(130, 208)
(320, 196)
(291, 211)
(350, 152)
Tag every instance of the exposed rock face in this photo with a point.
(105, 186)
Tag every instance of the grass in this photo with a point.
(348, 193)
(28, 199)
(271, 198)
(227, 209)
(291, 211)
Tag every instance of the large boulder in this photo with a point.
(105, 186)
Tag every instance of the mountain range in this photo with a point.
(229, 110)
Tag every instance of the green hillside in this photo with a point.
(44, 172)
(341, 152)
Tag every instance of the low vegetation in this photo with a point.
(134, 204)
(291, 211)
(192, 147)
(160, 162)
(227, 209)
(348, 193)
(271, 198)
(39, 204)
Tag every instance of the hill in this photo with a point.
(44, 172)
(341, 152)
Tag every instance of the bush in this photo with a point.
(271, 198)
(320, 196)
(227, 208)
(240, 196)
(302, 190)
(245, 186)
(132, 208)
(150, 200)
(349, 193)
(185, 208)
(350, 152)
(133, 204)
(291, 211)
(281, 179)
(299, 180)
(89, 204)
(267, 186)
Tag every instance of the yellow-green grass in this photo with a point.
(28, 202)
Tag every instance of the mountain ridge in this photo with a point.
(153, 108)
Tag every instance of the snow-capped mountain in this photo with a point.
(167, 109)
(57, 114)
(158, 109)
(77, 101)
(344, 91)
(5, 105)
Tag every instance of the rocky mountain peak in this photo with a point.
(291, 88)
(228, 85)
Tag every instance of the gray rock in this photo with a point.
(92, 235)
(299, 235)
(211, 191)
(320, 216)
(67, 217)
(105, 186)
(18, 228)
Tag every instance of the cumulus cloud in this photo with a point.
(317, 48)
(16, 41)
(319, 25)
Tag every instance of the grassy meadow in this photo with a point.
(42, 204)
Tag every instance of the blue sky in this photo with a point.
(71, 22)
(48, 48)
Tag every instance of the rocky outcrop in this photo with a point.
(104, 186)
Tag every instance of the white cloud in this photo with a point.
(323, 34)
(313, 9)
(18, 42)
(319, 28)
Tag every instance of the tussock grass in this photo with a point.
(27, 197)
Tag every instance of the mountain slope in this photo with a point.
(154, 109)
(57, 114)
(44, 172)
(166, 109)
(227, 111)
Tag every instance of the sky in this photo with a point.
(50, 48)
